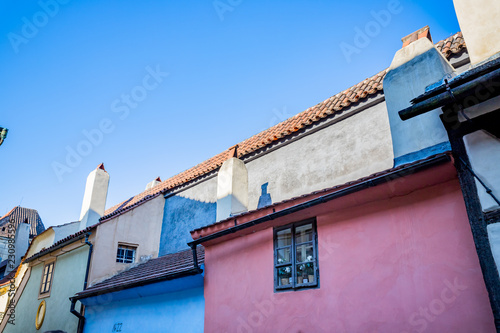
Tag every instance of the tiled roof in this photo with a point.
(452, 45)
(61, 241)
(19, 215)
(369, 87)
(161, 268)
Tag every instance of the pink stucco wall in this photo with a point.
(401, 264)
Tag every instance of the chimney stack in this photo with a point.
(94, 199)
(414, 67)
(480, 24)
(232, 188)
(21, 244)
(153, 183)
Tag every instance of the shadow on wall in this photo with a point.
(180, 216)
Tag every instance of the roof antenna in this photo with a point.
(22, 198)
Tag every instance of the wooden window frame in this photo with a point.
(294, 285)
(127, 247)
(49, 283)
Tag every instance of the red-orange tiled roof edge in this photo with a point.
(368, 87)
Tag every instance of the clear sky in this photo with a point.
(160, 86)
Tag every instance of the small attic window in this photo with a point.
(125, 254)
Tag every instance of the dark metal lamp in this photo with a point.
(3, 134)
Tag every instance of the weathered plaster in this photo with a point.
(94, 198)
(379, 265)
(42, 241)
(480, 26)
(181, 311)
(232, 188)
(355, 147)
(69, 275)
(411, 72)
(20, 246)
(187, 210)
(141, 226)
(483, 150)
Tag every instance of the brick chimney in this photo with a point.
(480, 24)
(94, 199)
(414, 67)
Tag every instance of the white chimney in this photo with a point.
(232, 188)
(21, 243)
(153, 183)
(480, 24)
(94, 199)
(414, 67)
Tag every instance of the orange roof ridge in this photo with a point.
(368, 87)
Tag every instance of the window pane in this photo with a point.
(305, 273)
(303, 233)
(305, 253)
(284, 256)
(284, 276)
(284, 237)
(129, 254)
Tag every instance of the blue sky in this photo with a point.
(200, 76)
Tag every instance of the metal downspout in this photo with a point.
(81, 318)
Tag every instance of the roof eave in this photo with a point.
(367, 183)
(82, 295)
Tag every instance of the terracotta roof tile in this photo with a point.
(364, 89)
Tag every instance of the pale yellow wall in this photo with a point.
(44, 240)
(4, 290)
(480, 24)
(141, 225)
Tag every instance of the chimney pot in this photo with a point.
(153, 183)
(420, 33)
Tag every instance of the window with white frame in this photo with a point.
(47, 277)
(295, 256)
(125, 253)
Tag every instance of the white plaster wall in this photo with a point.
(348, 150)
(63, 231)
(480, 25)
(141, 225)
(96, 191)
(483, 150)
(204, 191)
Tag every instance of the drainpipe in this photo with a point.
(195, 256)
(88, 260)
(81, 318)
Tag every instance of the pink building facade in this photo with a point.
(397, 257)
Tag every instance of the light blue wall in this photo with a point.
(178, 311)
(69, 276)
(181, 215)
